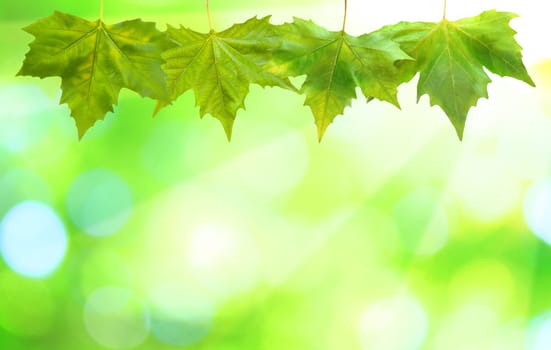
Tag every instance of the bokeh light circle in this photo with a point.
(181, 315)
(99, 202)
(538, 336)
(116, 318)
(397, 323)
(33, 241)
(101, 267)
(23, 122)
(537, 209)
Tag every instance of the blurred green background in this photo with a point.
(390, 234)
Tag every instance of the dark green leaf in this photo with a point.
(451, 57)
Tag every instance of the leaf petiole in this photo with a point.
(345, 13)
(101, 7)
(208, 15)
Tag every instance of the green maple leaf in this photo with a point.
(220, 66)
(95, 60)
(335, 63)
(451, 57)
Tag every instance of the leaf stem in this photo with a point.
(445, 7)
(101, 7)
(345, 13)
(208, 15)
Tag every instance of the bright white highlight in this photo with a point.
(99, 203)
(543, 337)
(537, 209)
(222, 259)
(398, 323)
(33, 241)
(23, 118)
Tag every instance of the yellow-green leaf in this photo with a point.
(95, 61)
(220, 66)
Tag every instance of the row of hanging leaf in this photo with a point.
(95, 60)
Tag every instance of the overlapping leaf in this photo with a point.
(220, 66)
(451, 57)
(335, 63)
(95, 60)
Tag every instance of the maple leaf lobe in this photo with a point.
(220, 66)
(95, 61)
(335, 64)
(451, 58)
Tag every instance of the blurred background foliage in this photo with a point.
(159, 234)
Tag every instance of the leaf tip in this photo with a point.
(81, 131)
(227, 124)
(159, 106)
(228, 133)
(19, 72)
(530, 81)
(458, 125)
(322, 128)
(459, 131)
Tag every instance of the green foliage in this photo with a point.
(335, 63)
(450, 57)
(96, 60)
(219, 67)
